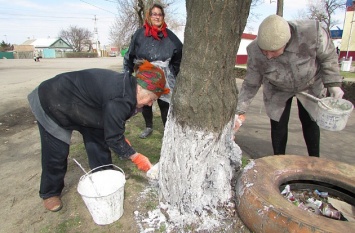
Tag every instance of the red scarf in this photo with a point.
(154, 30)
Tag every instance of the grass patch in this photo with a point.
(348, 75)
(245, 161)
(64, 226)
(150, 146)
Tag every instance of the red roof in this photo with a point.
(248, 36)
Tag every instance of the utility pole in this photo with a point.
(351, 30)
(280, 8)
(97, 38)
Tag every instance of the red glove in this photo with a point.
(129, 143)
(142, 162)
(239, 120)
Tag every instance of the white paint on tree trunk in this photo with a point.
(246, 183)
(195, 170)
(153, 173)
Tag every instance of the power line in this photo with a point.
(51, 16)
(98, 7)
(110, 1)
(44, 16)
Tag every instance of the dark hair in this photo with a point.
(156, 5)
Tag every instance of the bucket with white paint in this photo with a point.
(345, 66)
(335, 116)
(103, 193)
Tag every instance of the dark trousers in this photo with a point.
(55, 158)
(148, 113)
(279, 131)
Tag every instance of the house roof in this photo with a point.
(248, 36)
(46, 42)
(28, 42)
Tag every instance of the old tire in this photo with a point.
(263, 209)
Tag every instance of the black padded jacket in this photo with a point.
(94, 98)
(148, 48)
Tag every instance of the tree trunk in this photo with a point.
(199, 158)
(280, 8)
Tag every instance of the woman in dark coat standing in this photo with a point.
(159, 45)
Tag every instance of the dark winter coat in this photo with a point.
(167, 49)
(93, 98)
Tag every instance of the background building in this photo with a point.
(46, 47)
(347, 48)
(242, 56)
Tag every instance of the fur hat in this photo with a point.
(274, 32)
(151, 77)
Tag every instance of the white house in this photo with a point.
(49, 47)
(242, 56)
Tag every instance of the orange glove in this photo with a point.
(129, 143)
(142, 162)
(239, 119)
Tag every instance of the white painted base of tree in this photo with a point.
(195, 171)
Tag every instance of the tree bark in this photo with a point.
(199, 158)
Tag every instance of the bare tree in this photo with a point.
(78, 38)
(322, 10)
(199, 159)
(253, 16)
(131, 17)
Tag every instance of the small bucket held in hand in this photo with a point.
(103, 193)
(335, 117)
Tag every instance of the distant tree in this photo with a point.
(322, 10)
(5, 46)
(78, 38)
(131, 14)
(253, 16)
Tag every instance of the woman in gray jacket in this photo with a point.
(288, 58)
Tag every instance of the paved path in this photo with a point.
(18, 77)
(255, 140)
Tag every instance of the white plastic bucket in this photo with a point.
(345, 66)
(335, 118)
(103, 194)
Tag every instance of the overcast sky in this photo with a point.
(27, 19)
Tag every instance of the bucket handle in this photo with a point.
(120, 169)
(315, 99)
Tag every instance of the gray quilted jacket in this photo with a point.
(309, 63)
